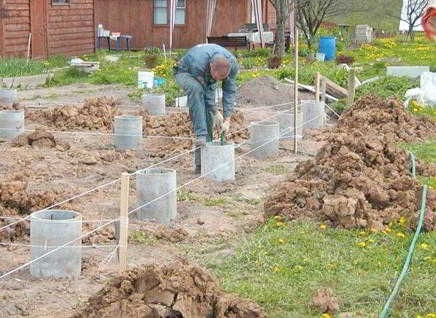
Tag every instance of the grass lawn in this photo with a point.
(282, 265)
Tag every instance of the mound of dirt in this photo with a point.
(40, 138)
(359, 178)
(266, 91)
(171, 291)
(374, 115)
(170, 234)
(17, 199)
(95, 114)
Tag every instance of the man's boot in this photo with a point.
(200, 142)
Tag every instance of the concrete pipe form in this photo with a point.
(264, 139)
(11, 123)
(154, 104)
(128, 132)
(8, 96)
(51, 229)
(218, 161)
(314, 114)
(156, 192)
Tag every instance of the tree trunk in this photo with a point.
(282, 15)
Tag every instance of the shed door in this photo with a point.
(38, 20)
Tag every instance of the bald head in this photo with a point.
(219, 67)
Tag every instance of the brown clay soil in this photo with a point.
(360, 178)
(267, 91)
(176, 290)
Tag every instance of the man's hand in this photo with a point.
(225, 126)
(217, 121)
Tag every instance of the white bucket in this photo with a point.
(320, 57)
(145, 79)
(182, 101)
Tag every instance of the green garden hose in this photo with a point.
(409, 256)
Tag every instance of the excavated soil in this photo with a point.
(40, 138)
(266, 91)
(95, 114)
(16, 199)
(360, 178)
(171, 291)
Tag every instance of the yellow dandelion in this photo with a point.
(402, 220)
(326, 315)
(280, 223)
(388, 230)
(399, 234)
(371, 241)
(322, 226)
(282, 241)
(424, 246)
(361, 244)
(362, 233)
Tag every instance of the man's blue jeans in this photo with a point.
(201, 102)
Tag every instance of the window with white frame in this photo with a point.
(60, 2)
(180, 12)
(160, 12)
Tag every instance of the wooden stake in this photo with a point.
(317, 80)
(28, 47)
(296, 123)
(323, 89)
(351, 87)
(124, 221)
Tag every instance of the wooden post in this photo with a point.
(323, 89)
(296, 123)
(351, 87)
(317, 79)
(124, 221)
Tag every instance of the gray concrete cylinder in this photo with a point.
(264, 139)
(11, 123)
(218, 161)
(313, 113)
(156, 187)
(154, 104)
(8, 96)
(128, 132)
(48, 230)
(286, 121)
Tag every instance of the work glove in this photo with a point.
(225, 127)
(217, 121)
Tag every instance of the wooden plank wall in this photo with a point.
(16, 27)
(135, 17)
(70, 28)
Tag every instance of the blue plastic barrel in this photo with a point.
(327, 45)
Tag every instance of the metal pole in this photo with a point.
(295, 81)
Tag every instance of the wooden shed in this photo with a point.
(56, 27)
(148, 20)
(68, 27)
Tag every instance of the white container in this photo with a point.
(145, 79)
(320, 57)
(218, 161)
(182, 101)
